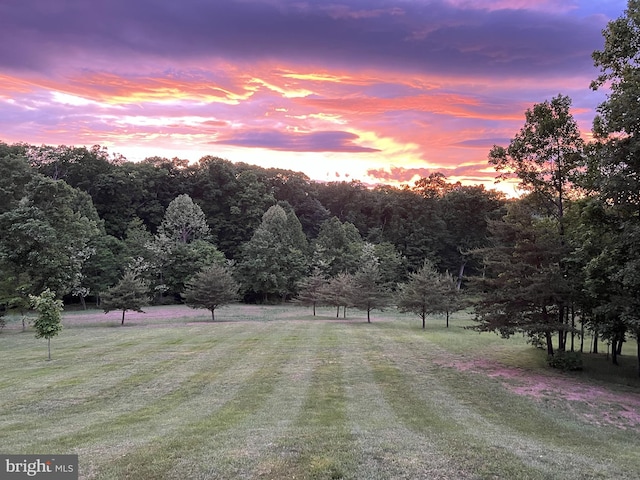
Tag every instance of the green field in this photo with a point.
(274, 393)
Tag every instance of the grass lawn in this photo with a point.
(275, 393)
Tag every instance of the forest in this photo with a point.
(558, 263)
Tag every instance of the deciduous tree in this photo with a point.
(49, 321)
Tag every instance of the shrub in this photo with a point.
(566, 361)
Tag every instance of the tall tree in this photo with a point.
(338, 248)
(48, 233)
(524, 286)
(546, 155)
(210, 288)
(275, 259)
(49, 321)
(615, 169)
(184, 221)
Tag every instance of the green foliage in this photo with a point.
(523, 285)
(310, 290)
(49, 321)
(566, 361)
(210, 288)
(47, 235)
(275, 259)
(339, 292)
(184, 221)
(368, 291)
(338, 248)
(428, 292)
(130, 293)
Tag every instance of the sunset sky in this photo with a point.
(375, 90)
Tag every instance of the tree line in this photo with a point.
(556, 264)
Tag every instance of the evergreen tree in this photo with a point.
(211, 288)
(338, 292)
(310, 290)
(428, 292)
(368, 292)
(274, 260)
(130, 293)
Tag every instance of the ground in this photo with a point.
(275, 393)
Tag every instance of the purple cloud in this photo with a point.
(297, 142)
(433, 36)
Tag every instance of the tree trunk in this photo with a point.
(368, 315)
(620, 342)
(573, 329)
(460, 275)
(581, 332)
(213, 315)
(447, 312)
(423, 315)
(338, 312)
(49, 347)
(314, 309)
(638, 342)
(595, 341)
(561, 340)
(614, 351)
(549, 339)
(122, 323)
(83, 303)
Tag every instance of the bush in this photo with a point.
(566, 361)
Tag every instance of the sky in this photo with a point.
(378, 91)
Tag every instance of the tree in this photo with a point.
(130, 293)
(184, 221)
(210, 288)
(524, 287)
(368, 292)
(428, 292)
(275, 259)
(337, 248)
(49, 321)
(547, 155)
(615, 168)
(466, 210)
(338, 292)
(310, 290)
(47, 234)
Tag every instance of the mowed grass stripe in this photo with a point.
(552, 438)
(141, 387)
(158, 457)
(247, 449)
(509, 429)
(319, 444)
(415, 400)
(390, 449)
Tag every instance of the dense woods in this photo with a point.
(560, 262)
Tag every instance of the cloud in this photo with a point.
(297, 142)
(432, 36)
(411, 86)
